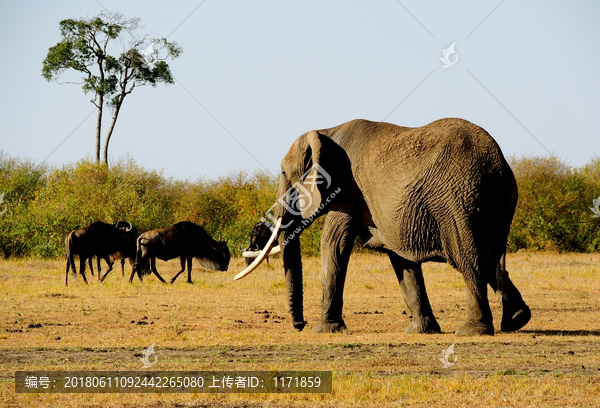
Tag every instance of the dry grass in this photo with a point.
(220, 324)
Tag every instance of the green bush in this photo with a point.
(553, 211)
(20, 182)
(43, 204)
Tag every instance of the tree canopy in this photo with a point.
(85, 47)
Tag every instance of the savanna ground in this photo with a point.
(221, 324)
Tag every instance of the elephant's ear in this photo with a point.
(317, 179)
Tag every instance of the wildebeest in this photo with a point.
(185, 240)
(261, 232)
(99, 239)
(120, 256)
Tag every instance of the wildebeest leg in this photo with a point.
(90, 264)
(182, 262)
(133, 270)
(67, 277)
(110, 268)
(123, 267)
(139, 270)
(154, 271)
(189, 261)
(82, 268)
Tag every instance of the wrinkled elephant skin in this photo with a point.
(442, 192)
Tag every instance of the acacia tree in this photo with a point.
(85, 48)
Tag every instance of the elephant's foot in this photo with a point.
(324, 326)
(515, 312)
(514, 320)
(470, 328)
(426, 324)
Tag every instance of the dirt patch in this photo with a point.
(484, 359)
(58, 295)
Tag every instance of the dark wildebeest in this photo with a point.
(126, 253)
(185, 240)
(259, 238)
(120, 256)
(99, 239)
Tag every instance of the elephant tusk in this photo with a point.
(261, 257)
(254, 254)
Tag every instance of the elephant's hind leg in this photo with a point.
(515, 312)
(410, 277)
(479, 315)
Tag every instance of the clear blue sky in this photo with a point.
(264, 72)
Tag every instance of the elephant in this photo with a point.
(442, 192)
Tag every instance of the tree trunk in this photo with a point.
(100, 106)
(99, 128)
(112, 127)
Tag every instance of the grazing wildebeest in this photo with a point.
(185, 240)
(101, 240)
(261, 232)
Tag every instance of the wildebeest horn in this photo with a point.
(130, 227)
(261, 257)
(254, 254)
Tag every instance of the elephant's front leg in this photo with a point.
(337, 241)
(410, 277)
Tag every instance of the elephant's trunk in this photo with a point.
(292, 264)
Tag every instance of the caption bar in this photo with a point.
(173, 381)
